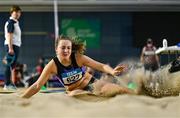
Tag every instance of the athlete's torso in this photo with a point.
(72, 76)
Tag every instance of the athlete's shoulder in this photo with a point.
(51, 62)
(51, 66)
(78, 55)
(80, 58)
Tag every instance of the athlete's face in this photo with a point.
(64, 49)
(16, 14)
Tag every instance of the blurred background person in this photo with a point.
(19, 75)
(12, 44)
(37, 71)
(149, 57)
(40, 65)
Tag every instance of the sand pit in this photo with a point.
(52, 105)
(59, 105)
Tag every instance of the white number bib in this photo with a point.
(72, 76)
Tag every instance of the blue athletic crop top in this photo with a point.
(69, 74)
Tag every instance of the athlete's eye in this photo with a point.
(69, 48)
(63, 47)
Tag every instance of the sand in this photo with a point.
(59, 105)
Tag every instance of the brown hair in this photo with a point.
(77, 44)
(15, 8)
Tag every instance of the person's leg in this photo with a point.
(10, 69)
(7, 71)
(13, 65)
(7, 76)
(107, 89)
(77, 92)
(110, 89)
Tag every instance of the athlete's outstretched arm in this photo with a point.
(47, 71)
(87, 61)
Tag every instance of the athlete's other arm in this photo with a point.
(87, 61)
(49, 69)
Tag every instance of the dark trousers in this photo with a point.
(12, 66)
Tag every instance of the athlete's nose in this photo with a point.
(65, 50)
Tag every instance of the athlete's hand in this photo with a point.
(120, 69)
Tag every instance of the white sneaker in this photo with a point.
(10, 87)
